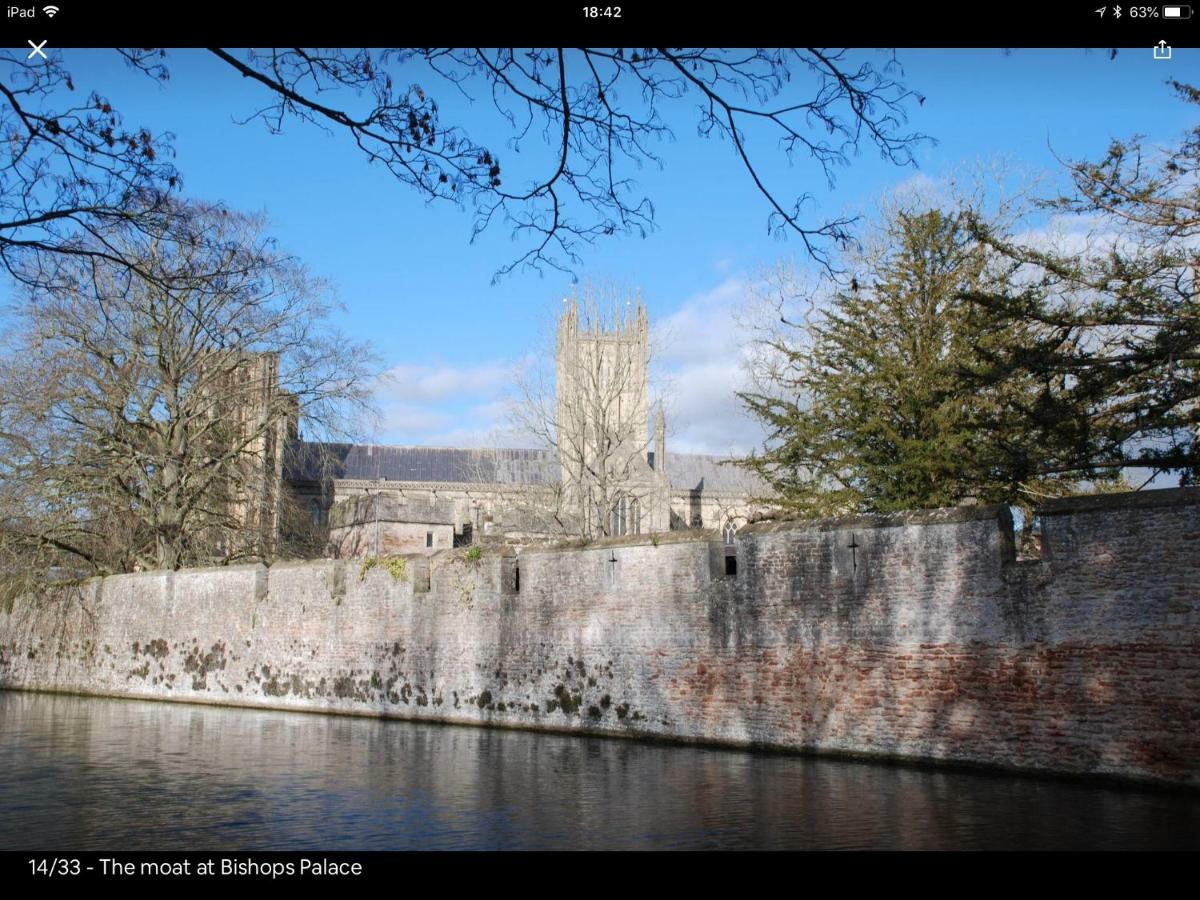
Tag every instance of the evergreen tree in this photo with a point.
(1112, 332)
(870, 409)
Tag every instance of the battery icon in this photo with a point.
(1177, 12)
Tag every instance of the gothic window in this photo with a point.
(635, 514)
(729, 532)
(614, 519)
(619, 519)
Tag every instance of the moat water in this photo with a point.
(93, 774)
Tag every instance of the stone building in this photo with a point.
(260, 423)
(610, 484)
(601, 472)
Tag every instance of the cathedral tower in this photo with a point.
(601, 421)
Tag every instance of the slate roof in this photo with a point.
(373, 462)
(695, 471)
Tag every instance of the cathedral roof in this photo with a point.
(376, 462)
(698, 472)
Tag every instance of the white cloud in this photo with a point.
(921, 186)
(699, 358)
(399, 416)
(1069, 235)
(704, 326)
(442, 405)
(701, 352)
(706, 415)
(431, 383)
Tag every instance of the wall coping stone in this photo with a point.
(653, 539)
(283, 564)
(201, 570)
(1164, 497)
(946, 516)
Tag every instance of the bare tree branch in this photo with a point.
(598, 111)
(150, 428)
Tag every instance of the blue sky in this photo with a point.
(414, 285)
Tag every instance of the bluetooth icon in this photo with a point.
(1116, 12)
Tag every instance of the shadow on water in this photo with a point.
(90, 773)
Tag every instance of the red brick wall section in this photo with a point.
(914, 636)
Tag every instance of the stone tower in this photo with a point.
(602, 422)
(263, 420)
(602, 375)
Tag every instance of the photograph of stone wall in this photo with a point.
(915, 636)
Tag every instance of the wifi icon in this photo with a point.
(50, 11)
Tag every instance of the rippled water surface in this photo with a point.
(83, 773)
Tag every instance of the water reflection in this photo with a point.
(109, 774)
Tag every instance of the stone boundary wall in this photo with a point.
(914, 636)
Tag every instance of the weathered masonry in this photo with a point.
(368, 499)
(913, 636)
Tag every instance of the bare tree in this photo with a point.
(146, 423)
(71, 169)
(523, 506)
(71, 172)
(593, 416)
(596, 111)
